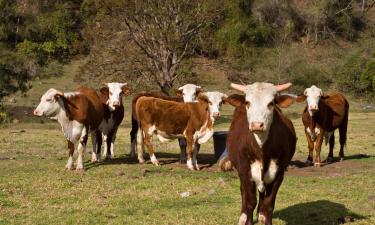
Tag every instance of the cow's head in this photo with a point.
(189, 92)
(215, 99)
(260, 100)
(49, 105)
(115, 91)
(312, 96)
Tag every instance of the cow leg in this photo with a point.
(195, 153)
(133, 137)
(182, 143)
(140, 146)
(342, 131)
(108, 143)
(190, 143)
(105, 151)
(96, 137)
(81, 148)
(331, 146)
(267, 201)
(69, 164)
(113, 139)
(150, 148)
(249, 200)
(318, 147)
(310, 146)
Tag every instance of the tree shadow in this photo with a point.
(320, 212)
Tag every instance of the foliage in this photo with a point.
(356, 74)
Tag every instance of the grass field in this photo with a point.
(35, 188)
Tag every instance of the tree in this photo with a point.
(165, 32)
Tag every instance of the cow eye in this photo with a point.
(271, 104)
(110, 93)
(247, 103)
(48, 100)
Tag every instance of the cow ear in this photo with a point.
(284, 101)
(178, 93)
(58, 95)
(202, 97)
(235, 100)
(104, 90)
(324, 96)
(125, 90)
(198, 90)
(301, 98)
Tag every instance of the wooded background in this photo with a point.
(158, 44)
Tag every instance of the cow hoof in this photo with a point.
(79, 168)
(141, 161)
(68, 166)
(317, 164)
(261, 218)
(197, 167)
(191, 168)
(156, 163)
(329, 160)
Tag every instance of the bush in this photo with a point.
(4, 118)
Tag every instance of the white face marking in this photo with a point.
(49, 105)
(256, 175)
(115, 95)
(259, 108)
(189, 92)
(313, 95)
(270, 175)
(216, 99)
(243, 219)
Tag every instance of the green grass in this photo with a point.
(35, 188)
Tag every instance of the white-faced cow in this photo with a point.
(261, 142)
(171, 120)
(186, 93)
(111, 98)
(323, 114)
(78, 113)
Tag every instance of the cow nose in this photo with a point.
(257, 126)
(313, 108)
(36, 113)
(116, 103)
(216, 114)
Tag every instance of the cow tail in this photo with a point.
(224, 162)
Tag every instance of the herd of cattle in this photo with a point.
(261, 140)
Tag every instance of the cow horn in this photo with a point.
(283, 87)
(238, 87)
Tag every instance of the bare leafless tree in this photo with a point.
(165, 33)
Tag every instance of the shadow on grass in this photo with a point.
(204, 160)
(317, 213)
(303, 164)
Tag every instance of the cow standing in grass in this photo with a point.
(111, 97)
(78, 113)
(261, 142)
(186, 93)
(323, 114)
(171, 120)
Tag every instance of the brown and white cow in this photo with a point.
(261, 142)
(78, 113)
(186, 93)
(170, 120)
(111, 98)
(323, 114)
